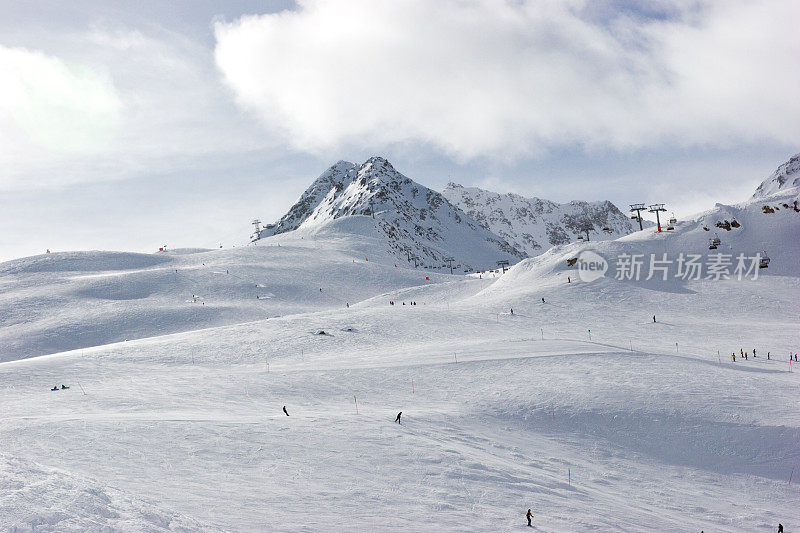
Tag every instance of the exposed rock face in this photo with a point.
(785, 177)
(532, 224)
(417, 221)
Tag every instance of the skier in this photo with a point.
(754, 352)
(529, 515)
(745, 356)
(767, 356)
(569, 280)
(542, 299)
(654, 319)
(780, 527)
(55, 388)
(285, 411)
(348, 305)
(64, 386)
(733, 356)
(512, 310)
(398, 417)
(320, 289)
(795, 358)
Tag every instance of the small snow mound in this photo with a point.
(81, 262)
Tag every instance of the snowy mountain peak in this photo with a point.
(785, 176)
(533, 224)
(419, 224)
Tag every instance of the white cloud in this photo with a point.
(109, 102)
(56, 105)
(510, 78)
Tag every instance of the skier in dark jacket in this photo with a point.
(285, 411)
(55, 388)
(654, 319)
(398, 417)
(64, 386)
(529, 515)
(780, 527)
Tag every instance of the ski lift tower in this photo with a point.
(503, 264)
(587, 227)
(450, 260)
(656, 208)
(638, 216)
(257, 224)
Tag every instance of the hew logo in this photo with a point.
(591, 266)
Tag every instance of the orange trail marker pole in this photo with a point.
(569, 476)
(356, 402)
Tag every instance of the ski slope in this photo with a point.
(640, 426)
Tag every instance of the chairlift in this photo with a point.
(764, 261)
(672, 222)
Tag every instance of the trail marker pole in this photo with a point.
(718, 358)
(676, 347)
(590, 334)
(356, 402)
(542, 330)
(412, 386)
(631, 342)
(790, 476)
(456, 358)
(84, 393)
(569, 476)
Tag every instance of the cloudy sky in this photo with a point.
(129, 125)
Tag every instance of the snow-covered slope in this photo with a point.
(576, 405)
(533, 225)
(64, 301)
(414, 220)
(786, 176)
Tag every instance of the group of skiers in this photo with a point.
(62, 387)
(745, 355)
(391, 302)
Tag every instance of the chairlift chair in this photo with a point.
(764, 263)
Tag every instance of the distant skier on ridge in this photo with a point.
(398, 417)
